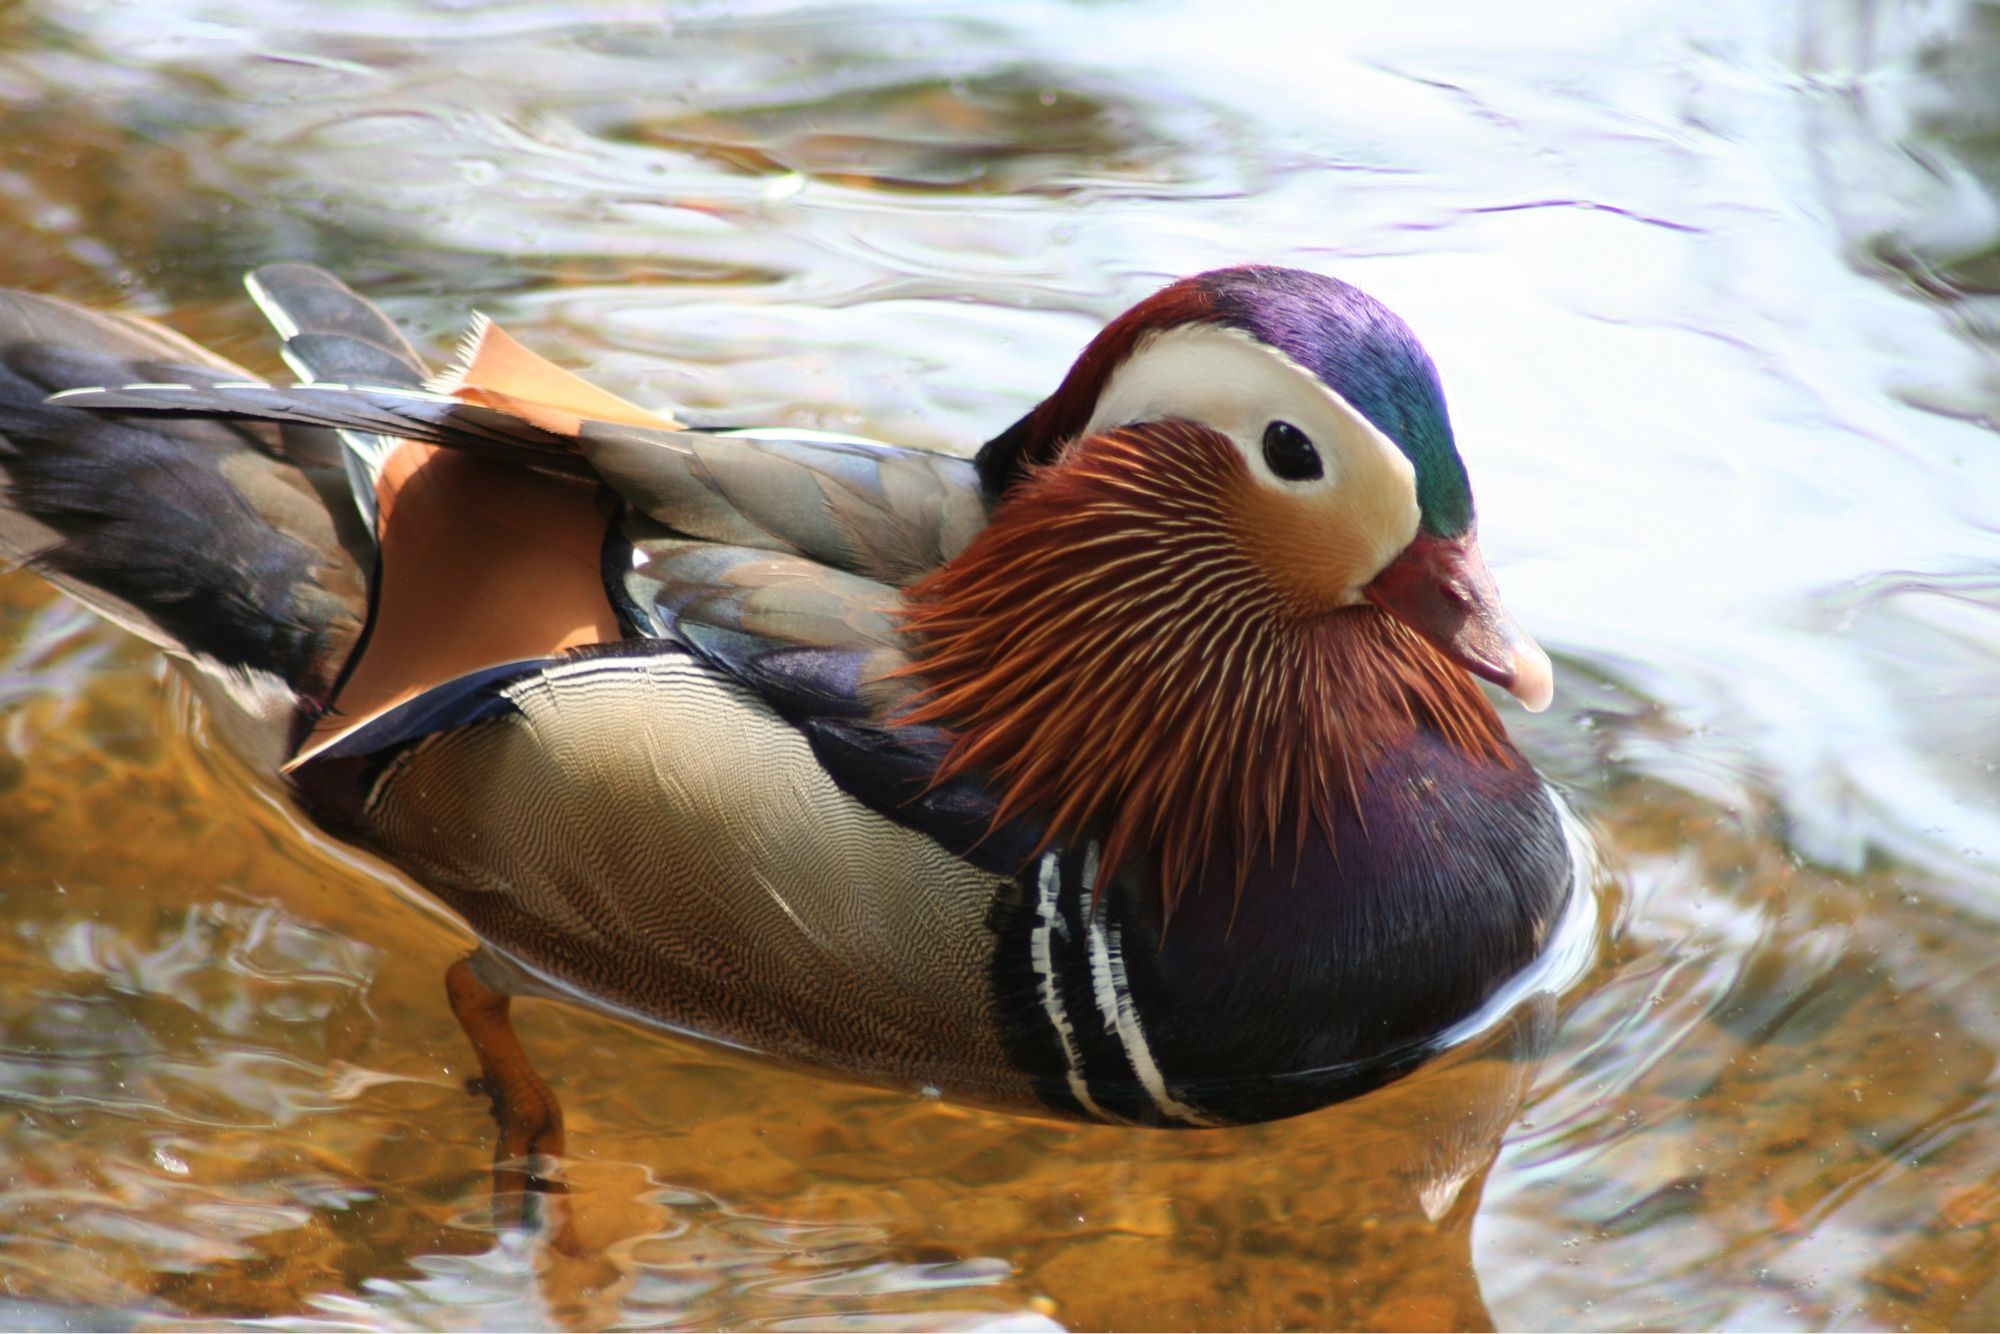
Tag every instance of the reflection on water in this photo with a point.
(1716, 290)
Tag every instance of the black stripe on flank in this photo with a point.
(1028, 1026)
(1032, 1045)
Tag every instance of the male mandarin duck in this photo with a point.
(1132, 770)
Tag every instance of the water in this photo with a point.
(1716, 294)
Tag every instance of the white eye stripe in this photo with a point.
(1224, 379)
(1335, 531)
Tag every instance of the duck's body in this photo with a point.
(1043, 780)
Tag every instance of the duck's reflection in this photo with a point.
(1401, 1174)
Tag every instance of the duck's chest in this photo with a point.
(1334, 971)
(648, 833)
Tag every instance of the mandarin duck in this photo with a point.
(1133, 769)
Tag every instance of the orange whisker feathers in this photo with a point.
(1109, 654)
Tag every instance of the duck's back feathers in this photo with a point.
(796, 514)
(884, 512)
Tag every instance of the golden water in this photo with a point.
(1713, 292)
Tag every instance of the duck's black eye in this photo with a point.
(1290, 454)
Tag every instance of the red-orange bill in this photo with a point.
(1441, 588)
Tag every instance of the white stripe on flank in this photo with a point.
(1042, 954)
(1114, 1002)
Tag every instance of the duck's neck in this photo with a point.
(1109, 652)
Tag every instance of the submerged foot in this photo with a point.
(530, 1145)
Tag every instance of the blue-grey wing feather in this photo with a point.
(887, 513)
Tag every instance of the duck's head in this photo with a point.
(1342, 478)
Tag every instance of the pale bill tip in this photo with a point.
(1534, 679)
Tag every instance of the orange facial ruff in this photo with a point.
(1116, 651)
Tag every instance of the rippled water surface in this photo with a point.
(1715, 289)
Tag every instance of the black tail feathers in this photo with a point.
(203, 536)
